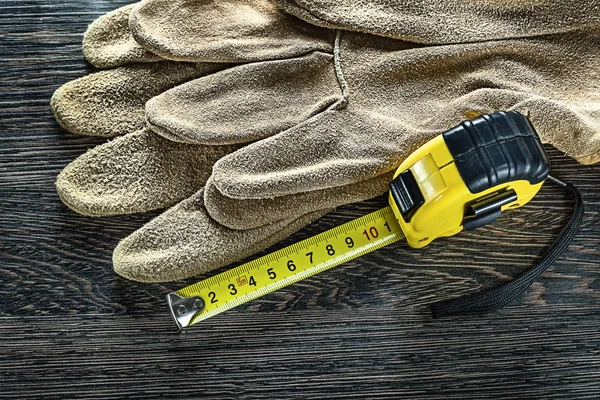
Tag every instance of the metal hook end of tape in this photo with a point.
(183, 309)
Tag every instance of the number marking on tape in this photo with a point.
(293, 263)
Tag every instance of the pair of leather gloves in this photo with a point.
(252, 118)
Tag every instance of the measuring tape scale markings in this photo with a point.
(460, 180)
(285, 267)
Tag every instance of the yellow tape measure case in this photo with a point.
(466, 177)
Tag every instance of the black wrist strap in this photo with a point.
(493, 299)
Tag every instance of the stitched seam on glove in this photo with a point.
(339, 73)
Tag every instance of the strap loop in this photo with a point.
(493, 299)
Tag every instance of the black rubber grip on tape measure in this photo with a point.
(497, 148)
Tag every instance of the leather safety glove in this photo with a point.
(391, 96)
(140, 170)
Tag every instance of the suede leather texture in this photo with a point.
(137, 172)
(223, 31)
(449, 21)
(112, 102)
(370, 130)
(108, 41)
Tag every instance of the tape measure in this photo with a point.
(462, 179)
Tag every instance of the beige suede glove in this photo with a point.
(141, 170)
(392, 96)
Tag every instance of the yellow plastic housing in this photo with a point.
(446, 195)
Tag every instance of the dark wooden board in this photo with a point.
(71, 328)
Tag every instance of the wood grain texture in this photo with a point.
(71, 328)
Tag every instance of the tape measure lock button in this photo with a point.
(405, 191)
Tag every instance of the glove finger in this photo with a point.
(184, 241)
(247, 102)
(111, 103)
(223, 31)
(547, 116)
(108, 41)
(332, 149)
(338, 148)
(444, 22)
(252, 213)
(137, 172)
